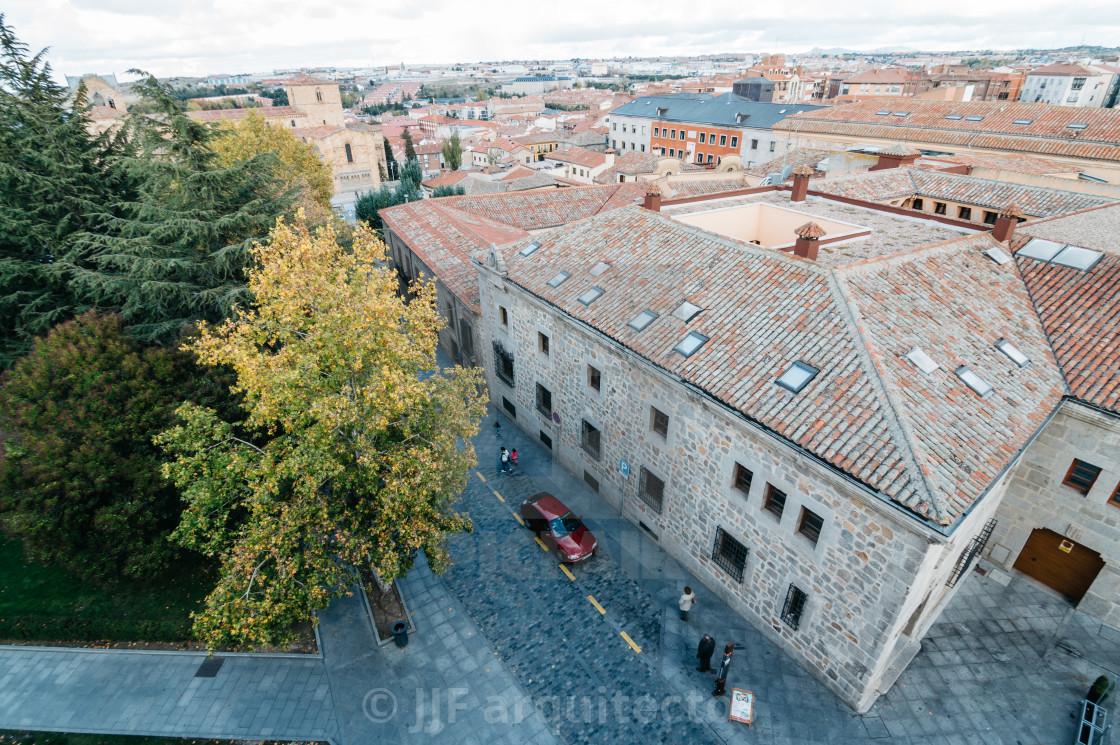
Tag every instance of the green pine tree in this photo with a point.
(409, 150)
(53, 177)
(178, 252)
(390, 161)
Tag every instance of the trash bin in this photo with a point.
(400, 633)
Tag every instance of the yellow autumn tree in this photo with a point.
(300, 167)
(353, 451)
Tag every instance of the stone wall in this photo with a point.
(1036, 498)
(859, 573)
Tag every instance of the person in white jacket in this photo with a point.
(686, 602)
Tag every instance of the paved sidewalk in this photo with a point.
(122, 692)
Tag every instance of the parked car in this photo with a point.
(558, 528)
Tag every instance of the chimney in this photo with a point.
(895, 156)
(1004, 229)
(652, 201)
(609, 153)
(807, 237)
(801, 176)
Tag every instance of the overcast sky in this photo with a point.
(198, 37)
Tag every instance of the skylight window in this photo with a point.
(1078, 125)
(921, 360)
(530, 248)
(1077, 257)
(954, 117)
(998, 255)
(1040, 249)
(902, 113)
(643, 319)
(687, 311)
(882, 113)
(1023, 121)
(591, 295)
(1013, 352)
(974, 381)
(797, 376)
(974, 118)
(599, 268)
(558, 279)
(690, 344)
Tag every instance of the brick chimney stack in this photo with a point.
(1004, 229)
(807, 237)
(652, 201)
(801, 176)
(896, 156)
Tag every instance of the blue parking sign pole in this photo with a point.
(624, 468)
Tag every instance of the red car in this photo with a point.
(558, 528)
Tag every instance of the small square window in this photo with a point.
(979, 386)
(1013, 352)
(687, 311)
(729, 554)
(742, 478)
(591, 295)
(774, 501)
(797, 376)
(594, 378)
(544, 400)
(504, 364)
(509, 406)
(651, 489)
(542, 343)
(599, 268)
(690, 344)
(643, 319)
(503, 316)
(810, 526)
(530, 248)
(734, 142)
(1081, 476)
(659, 421)
(559, 279)
(964, 213)
(590, 440)
(939, 208)
(793, 607)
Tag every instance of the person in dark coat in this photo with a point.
(724, 666)
(704, 653)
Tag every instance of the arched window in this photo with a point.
(349, 154)
(318, 95)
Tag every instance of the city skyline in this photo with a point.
(214, 37)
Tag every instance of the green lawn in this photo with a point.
(44, 603)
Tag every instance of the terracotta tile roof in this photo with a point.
(1048, 132)
(880, 186)
(446, 239)
(105, 112)
(926, 442)
(1019, 163)
(536, 210)
(633, 163)
(1061, 69)
(1081, 309)
(888, 75)
(518, 172)
(802, 156)
(578, 155)
(679, 188)
(268, 112)
(445, 179)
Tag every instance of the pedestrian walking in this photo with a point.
(513, 459)
(503, 459)
(497, 429)
(724, 666)
(704, 653)
(686, 602)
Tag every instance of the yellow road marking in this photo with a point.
(518, 518)
(499, 496)
(543, 547)
(480, 477)
(597, 606)
(564, 569)
(630, 641)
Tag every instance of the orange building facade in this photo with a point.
(695, 143)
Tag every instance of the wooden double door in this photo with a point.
(1059, 563)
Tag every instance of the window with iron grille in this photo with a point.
(503, 364)
(794, 606)
(590, 440)
(659, 421)
(811, 524)
(544, 400)
(775, 501)
(508, 406)
(742, 479)
(729, 554)
(651, 489)
(1081, 476)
